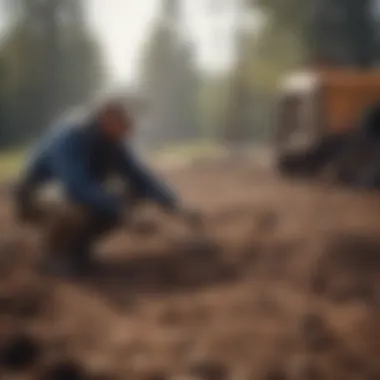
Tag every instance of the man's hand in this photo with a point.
(29, 214)
(193, 218)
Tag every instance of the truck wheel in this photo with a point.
(296, 166)
(354, 160)
(288, 165)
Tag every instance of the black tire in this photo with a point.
(355, 156)
(289, 165)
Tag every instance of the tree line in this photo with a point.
(48, 62)
(298, 34)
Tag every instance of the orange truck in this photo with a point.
(318, 116)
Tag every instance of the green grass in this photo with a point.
(10, 163)
(12, 160)
(187, 152)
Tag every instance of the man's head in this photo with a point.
(115, 122)
(117, 116)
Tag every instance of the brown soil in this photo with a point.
(289, 289)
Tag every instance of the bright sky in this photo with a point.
(122, 26)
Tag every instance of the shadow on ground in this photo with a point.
(160, 274)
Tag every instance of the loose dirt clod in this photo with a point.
(314, 333)
(346, 271)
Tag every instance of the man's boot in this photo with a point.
(67, 242)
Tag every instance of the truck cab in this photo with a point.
(317, 111)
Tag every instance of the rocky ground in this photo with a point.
(288, 289)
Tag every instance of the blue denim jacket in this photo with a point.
(80, 158)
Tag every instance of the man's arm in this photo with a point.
(69, 165)
(145, 181)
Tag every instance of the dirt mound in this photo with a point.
(287, 290)
(349, 268)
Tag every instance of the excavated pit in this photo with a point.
(287, 287)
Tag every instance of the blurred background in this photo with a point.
(210, 67)
(187, 54)
(289, 287)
